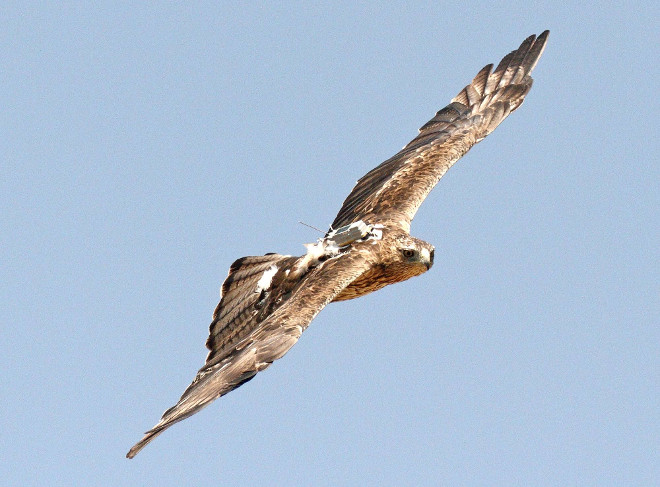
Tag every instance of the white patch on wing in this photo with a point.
(376, 233)
(331, 249)
(266, 278)
(314, 251)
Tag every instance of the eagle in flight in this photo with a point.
(268, 301)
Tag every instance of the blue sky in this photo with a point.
(145, 148)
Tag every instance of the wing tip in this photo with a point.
(148, 437)
(535, 52)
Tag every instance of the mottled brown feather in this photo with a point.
(233, 317)
(392, 192)
(265, 343)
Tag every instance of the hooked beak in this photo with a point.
(427, 258)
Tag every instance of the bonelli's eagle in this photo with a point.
(268, 301)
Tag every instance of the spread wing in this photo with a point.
(253, 333)
(392, 192)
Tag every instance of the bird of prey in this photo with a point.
(268, 301)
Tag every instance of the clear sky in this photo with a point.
(145, 148)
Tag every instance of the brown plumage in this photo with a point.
(268, 301)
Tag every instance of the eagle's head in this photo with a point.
(413, 254)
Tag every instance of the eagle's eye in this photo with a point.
(408, 253)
